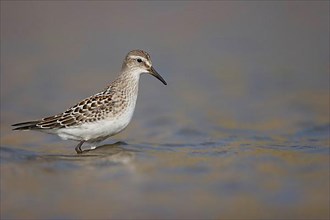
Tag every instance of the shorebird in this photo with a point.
(104, 114)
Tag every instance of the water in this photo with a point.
(241, 131)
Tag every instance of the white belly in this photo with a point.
(100, 130)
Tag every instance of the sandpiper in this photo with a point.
(104, 114)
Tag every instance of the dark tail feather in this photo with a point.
(26, 125)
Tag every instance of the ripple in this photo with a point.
(10, 154)
(223, 153)
(300, 148)
(316, 131)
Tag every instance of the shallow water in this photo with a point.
(244, 177)
(241, 131)
(241, 177)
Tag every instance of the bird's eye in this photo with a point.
(139, 60)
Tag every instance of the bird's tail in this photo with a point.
(26, 125)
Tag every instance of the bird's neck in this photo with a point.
(129, 77)
(127, 82)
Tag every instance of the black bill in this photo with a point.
(155, 74)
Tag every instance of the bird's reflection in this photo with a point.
(105, 149)
(115, 153)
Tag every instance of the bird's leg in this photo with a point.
(78, 148)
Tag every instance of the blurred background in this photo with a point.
(240, 131)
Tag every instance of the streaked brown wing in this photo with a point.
(89, 110)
